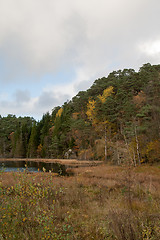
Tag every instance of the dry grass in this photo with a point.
(103, 202)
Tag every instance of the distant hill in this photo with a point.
(117, 119)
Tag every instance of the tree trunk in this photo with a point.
(105, 149)
(118, 157)
(137, 145)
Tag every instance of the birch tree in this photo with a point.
(92, 113)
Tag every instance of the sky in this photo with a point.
(52, 49)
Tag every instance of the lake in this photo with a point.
(32, 166)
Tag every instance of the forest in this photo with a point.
(116, 120)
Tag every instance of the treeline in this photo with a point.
(117, 119)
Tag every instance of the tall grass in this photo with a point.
(101, 202)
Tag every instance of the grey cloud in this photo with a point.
(24, 105)
(83, 85)
(22, 96)
(44, 35)
(47, 100)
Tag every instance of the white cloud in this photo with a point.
(151, 48)
(151, 51)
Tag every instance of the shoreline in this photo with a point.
(70, 162)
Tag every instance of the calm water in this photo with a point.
(31, 166)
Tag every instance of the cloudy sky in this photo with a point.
(52, 49)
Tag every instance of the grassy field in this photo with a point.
(101, 202)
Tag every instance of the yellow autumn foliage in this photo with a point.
(91, 109)
(106, 93)
(59, 113)
(91, 113)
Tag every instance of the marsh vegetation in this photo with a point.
(102, 202)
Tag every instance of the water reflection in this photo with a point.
(31, 166)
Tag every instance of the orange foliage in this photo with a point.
(39, 150)
(75, 115)
(51, 130)
(139, 99)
